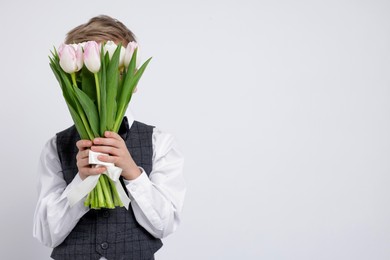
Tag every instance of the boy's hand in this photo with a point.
(118, 154)
(83, 165)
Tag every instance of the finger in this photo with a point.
(108, 159)
(110, 134)
(83, 144)
(95, 170)
(82, 163)
(106, 149)
(107, 141)
(82, 154)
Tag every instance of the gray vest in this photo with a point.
(112, 233)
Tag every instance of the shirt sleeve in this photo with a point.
(157, 201)
(54, 219)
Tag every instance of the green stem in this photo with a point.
(97, 91)
(100, 194)
(118, 120)
(87, 201)
(115, 194)
(73, 76)
(92, 199)
(107, 192)
(95, 199)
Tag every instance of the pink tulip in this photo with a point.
(71, 58)
(129, 52)
(92, 56)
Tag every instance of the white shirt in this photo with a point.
(157, 201)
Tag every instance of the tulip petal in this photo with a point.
(92, 56)
(130, 48)
(79, 57)
(122, 57)
(110, 48)
(68, 59)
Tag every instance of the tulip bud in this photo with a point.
(129, 52)
(109, 47)
(122, 57)
(92, 56)
(71, 60)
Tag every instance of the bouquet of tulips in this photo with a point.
(97, 82)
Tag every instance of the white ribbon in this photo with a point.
(83, 188)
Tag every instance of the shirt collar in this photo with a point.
(130, 117)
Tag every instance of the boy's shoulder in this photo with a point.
(141, 126)
(71, 129)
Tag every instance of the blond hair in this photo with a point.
(100, 28)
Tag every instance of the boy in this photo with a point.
(152, 176)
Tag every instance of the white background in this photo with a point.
(281, 109)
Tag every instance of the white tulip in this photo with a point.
(109, 47)
(122, 57)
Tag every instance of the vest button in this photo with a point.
(104, 245)
(106, 214)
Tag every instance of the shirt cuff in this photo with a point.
(139, 185)
(80, 205)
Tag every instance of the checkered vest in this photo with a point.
(112, 233)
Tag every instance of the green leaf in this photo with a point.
(56, 73)
(66, 85)
(102, 78)
(134, 80)
(88, 83)
(67, 98)
(78, 123)
(130, 82)
(112, 87)
(90, 110)
(133, 63)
